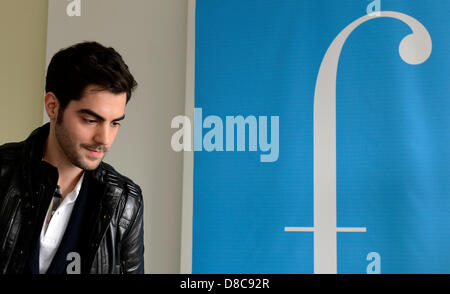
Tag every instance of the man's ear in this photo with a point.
(52, 105)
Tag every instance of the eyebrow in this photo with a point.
(97, 116)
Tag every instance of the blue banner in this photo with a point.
(321, 137)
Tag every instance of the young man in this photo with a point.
(62, 209)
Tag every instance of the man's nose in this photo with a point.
(103, 135)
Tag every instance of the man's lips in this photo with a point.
(93, 152)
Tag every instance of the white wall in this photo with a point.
(151, 37)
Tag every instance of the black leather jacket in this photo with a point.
(112, 241)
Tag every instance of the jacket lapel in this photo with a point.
(106, 201)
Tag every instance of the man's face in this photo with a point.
(89, 126)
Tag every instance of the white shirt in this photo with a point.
(51, 234)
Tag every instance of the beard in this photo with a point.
(74, 153)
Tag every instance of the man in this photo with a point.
(62, 209)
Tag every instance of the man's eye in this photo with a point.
(89, 121)
(116, 124)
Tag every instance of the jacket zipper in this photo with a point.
(6, 200)
(10, 223)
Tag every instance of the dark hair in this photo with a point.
(74, 68)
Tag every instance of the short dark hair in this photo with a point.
(74, 68)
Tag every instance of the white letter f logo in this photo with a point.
(414, 49)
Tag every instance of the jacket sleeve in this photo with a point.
(132, 251)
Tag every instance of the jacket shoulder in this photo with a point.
(132, 205)
(10, 154)
(10, 151)
(114, 178)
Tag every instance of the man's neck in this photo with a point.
(69, 174)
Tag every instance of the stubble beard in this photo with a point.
(73, 154)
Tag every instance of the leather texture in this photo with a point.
(112, 241)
